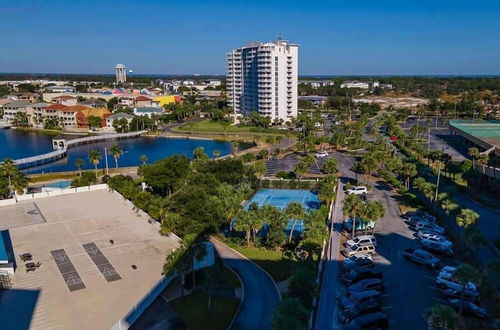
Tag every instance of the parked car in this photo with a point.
(354, 259)
(360, 224)
(450, 283)
(321, 154)
(358, 296)
(432, 235)
(361, 308)
(468, 307)
(361, 240)
(357, 190)
(413, 220)
(421, 257)
(356, 249)
(467, 294)
(437, 247)
(421, 214)
(356, 275)
(366, 284)
(429, 226)
(357, 264)
(375, 320)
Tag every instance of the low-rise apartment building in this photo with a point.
(65, 100)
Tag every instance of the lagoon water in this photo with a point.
(16, 144)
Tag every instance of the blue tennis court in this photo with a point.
(280, 198)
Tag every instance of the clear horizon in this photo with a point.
(450, 38)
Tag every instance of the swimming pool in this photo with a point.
(59, 184)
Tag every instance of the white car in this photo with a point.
(358, 190)
(445, 279)
(436, 239)
(321, 154)
(427, 233)
(429, 226)
(362, 240)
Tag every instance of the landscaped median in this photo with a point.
(213, 304)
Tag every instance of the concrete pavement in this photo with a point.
(260, 295)
(409, 288)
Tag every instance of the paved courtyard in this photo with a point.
(87, 244)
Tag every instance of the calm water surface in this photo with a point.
(16, 144)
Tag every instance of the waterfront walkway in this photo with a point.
(62, 146)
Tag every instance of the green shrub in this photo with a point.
(265, 183)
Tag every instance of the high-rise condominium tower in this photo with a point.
(263, 77)
(121, 73)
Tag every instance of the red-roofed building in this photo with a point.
(143, 101)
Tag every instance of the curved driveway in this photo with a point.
(260, 294)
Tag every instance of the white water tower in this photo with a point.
(121, 73)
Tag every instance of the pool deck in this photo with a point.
(42, 299)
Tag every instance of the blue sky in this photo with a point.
(337, 37)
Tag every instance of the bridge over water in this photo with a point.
(62, 145)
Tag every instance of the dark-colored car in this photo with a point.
(358, 296)
(436, 247)
(421, 257)
(366, 284)
(357, 275)
(358, 263)
(375, 320)
(361, 308)
(468, 307)
(467, 294)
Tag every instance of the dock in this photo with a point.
(62, 145)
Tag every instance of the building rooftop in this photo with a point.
(143, 98)
(17, 104)
(40, 105)
(485, 133)
(57, 106)
(120, 115)
(94, 102)
(71, 290)
(148, 109)
(64, 97)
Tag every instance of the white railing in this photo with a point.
(86, 139)
(51, 193)
(42, 157)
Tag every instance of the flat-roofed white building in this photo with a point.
(263, 77)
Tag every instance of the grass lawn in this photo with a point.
(209, 125)
(52, 176)
(194, 311)
(279, 269)
(230, 279)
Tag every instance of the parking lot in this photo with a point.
(409, 288)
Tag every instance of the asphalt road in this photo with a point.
(409, 288)
(260, 297)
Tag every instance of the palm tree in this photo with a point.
(373, 212)
(464, 274)
(466, 218)
(79, 163)
(244, 223)
(474, 153)
(442, 317)
(235, 145)
(300, 169)
(9, 169)
(199, 153)
(116, 151)
(143, 159)
(296, 212)
(408, 170)
(211, 284)
(95, 157)
(353, 208)
(370, 165)
(216, 153)
(357, 168)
